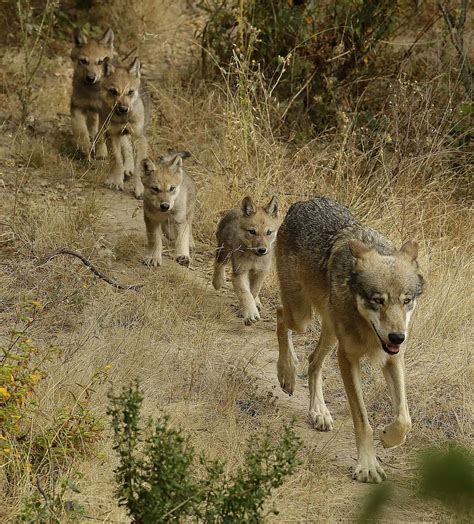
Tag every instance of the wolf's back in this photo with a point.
(311, 228)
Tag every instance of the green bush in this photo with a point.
(157, 481)
(310, 53)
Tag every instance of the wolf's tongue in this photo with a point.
(393, 348)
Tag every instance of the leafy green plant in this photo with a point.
(21, 370)
(156, 480)
(445, 474)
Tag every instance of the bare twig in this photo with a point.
(90, 265)
(456, 33)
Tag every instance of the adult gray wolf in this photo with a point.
(364, 291)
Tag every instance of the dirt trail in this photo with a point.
(257, 345)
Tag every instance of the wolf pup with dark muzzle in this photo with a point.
(88, 56)
(364, 291)
(124, 116)
(245, 236)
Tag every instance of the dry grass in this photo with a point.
(194, 359)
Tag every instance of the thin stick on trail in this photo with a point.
(90, 265)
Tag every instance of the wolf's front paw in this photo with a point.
(394, 434)
(321, 419)
(100, 152)
(115, 182)
(251, 315)
(258, 303)
(152, 261)
(183, 260)
(138, 191)
(368, 469)
(286, 370)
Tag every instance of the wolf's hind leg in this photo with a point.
(395, 433)
(368, 468)
(318, 412)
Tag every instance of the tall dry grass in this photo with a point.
(194, 359)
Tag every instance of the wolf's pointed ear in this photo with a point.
(78, 38)
(272, 207)
(176, 163)
(409, 250)
(358, 249)
(134, 67)
(107, 39)
(108, 67)
(148, 167)
(248, 207)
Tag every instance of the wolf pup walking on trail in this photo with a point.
(88, 56)
(168, 205)
(246, 237)
(365, 292)
(124, 113)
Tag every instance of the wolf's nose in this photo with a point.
(261, 250)
(396, 338)
(123, 110)
(90, 79)
(164, 206)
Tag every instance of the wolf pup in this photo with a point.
(88, 56)
(124, 113)
(168, 204)
(246, 237)
(365, 292)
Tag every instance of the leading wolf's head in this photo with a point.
(258, 226)
(386, 289)
(163, 182)
(90, 55)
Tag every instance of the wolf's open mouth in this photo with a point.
(391, 349)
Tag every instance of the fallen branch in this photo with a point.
(90, 265)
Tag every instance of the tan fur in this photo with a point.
(246, 237)
(364, 292)
(124, 114)
(168, 203)
(88, 57)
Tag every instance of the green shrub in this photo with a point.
(157, 482)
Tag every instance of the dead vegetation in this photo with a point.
(195, 361)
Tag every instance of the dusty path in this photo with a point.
(255, 347)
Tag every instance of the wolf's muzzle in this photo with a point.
(91, 79)
(122, 110)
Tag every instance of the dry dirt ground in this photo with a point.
(195, 359)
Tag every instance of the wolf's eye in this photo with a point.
(113, 91)
(131, 92)
(100, 61)
(83, 61)
(172, 189)
(407, 301)
(269, 232)
(252, 231)
(155, 189)
(378, 300)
